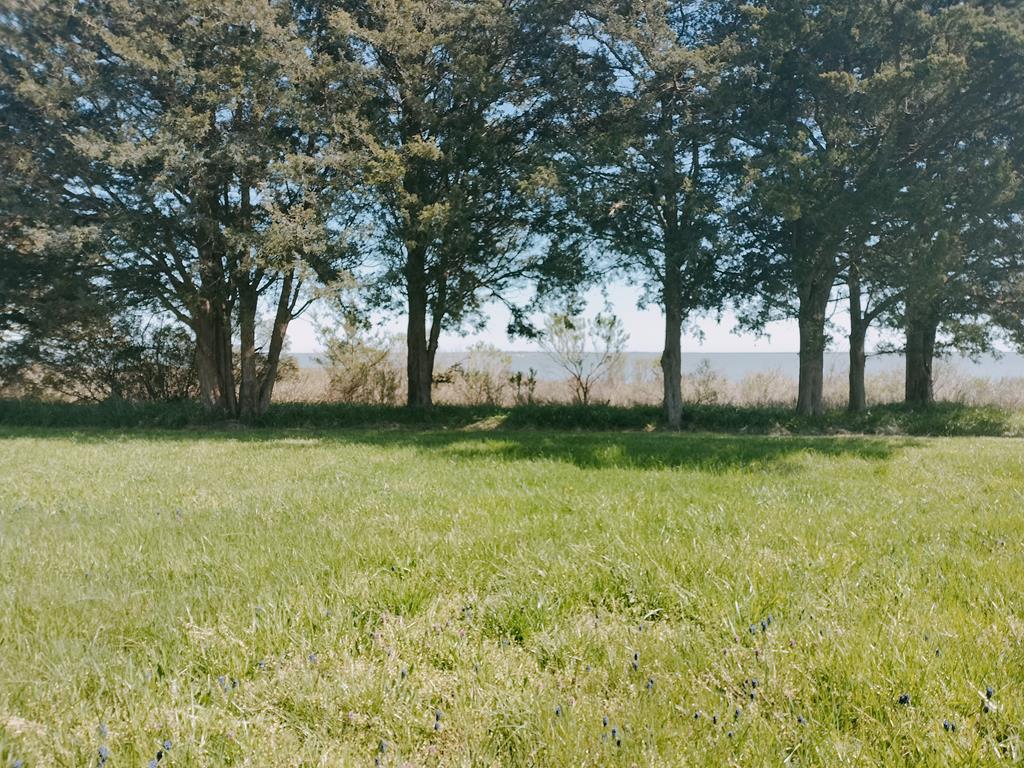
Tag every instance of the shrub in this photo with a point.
(483, 378)
(127, 358)
(363, 368)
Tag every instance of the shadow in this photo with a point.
(657, 451)
(585, 450)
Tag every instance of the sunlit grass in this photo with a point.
(299, 598)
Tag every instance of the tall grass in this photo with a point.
(642, 386)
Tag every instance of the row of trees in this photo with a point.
(224, 163)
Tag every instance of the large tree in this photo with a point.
(945, 233)
(646, 161)
(847, 99)
(193, 140)
(957, 269)
(46, 266)
(454, 185)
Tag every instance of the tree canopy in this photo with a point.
(216, 166)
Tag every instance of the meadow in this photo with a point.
(493, 597)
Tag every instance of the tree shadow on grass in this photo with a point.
(636, 451)
(593, 450)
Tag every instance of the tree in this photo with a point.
(847, 99)
(647, 163)
(194, 142)
(454, 184)
(955, 274)
(586, 350)
(46, 265)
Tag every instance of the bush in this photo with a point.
(362, 368)
(483, 378)
(126, 358)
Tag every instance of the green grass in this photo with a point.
(941, 419)
(282, 597)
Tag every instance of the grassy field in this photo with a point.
(457, 598)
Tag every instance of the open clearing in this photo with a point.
(470, 598)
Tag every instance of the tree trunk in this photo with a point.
(922, 326)
(811, 316)
(420, 359)
(671, 356)
(225, 360)
(213, 358)
(858, 332)
(212, 320)
(282, 317)
(206, 365)
(248, 385)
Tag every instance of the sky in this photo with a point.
(645, 328)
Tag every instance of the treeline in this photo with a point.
(219, 165)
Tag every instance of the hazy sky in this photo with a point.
(645, 329)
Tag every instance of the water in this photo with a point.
(735, 366)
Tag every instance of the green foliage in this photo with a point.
(119, 358)
(453, 181)
(647, 165)
(227, 164)
(193, 142)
